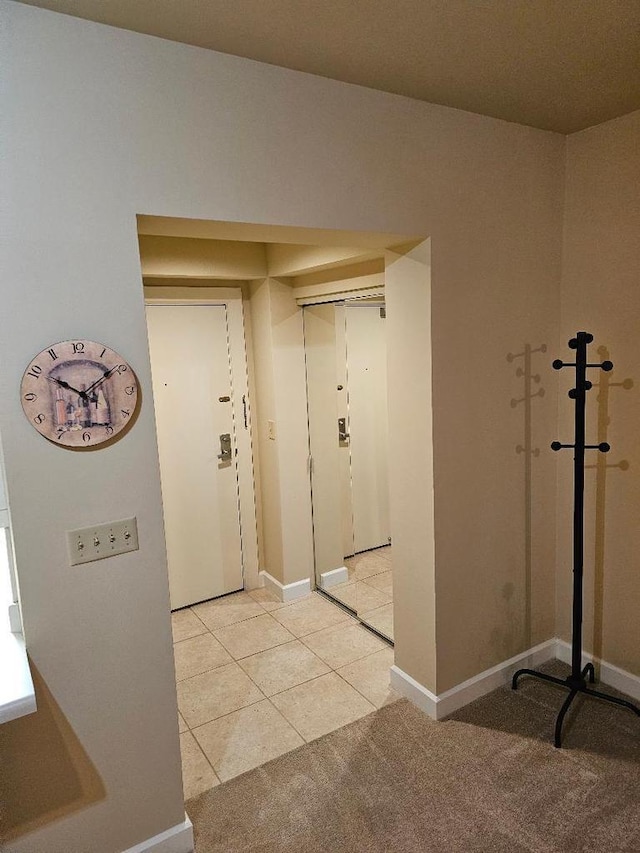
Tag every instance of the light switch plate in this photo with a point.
(271, 430)
(102, 540)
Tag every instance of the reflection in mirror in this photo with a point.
(345, 349)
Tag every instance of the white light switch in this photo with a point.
(102, 540)
(271, 430)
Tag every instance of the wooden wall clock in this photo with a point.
(79, 393)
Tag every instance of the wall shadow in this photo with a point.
(602, 466)
(529, 381)
(45, 772)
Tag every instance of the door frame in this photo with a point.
(231, 298)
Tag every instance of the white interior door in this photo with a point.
(192, 388)
(368, 429)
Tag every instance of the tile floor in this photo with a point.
(369, 589)
(257, 678)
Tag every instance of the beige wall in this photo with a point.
(281, 398)
(491, 297)
(101, 125)
(411, 486)
(601, 295)
(201, 259)
(264, 410)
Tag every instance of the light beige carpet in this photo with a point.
(487, 780)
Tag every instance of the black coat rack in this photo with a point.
(577, 681)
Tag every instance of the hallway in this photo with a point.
(257, 678)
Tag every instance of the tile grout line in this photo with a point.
(282, 604)
(374, 708)
(299, 639)
(293, 688)
(228, 713)
(306, 680)
(232, 624)
(190, 730)
(191, 610)
(257, 686)
(359, 660)
(259, 653)
(233, 660)
(356, 689)
(253, 654)
(288, 721)
(338, 727)
(331, 669)
(213, 601)
(282, 714)
(244, 657)
(237, 622)
(376, 587)
(354, 660)
(206, 758)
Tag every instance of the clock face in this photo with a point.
(79, 393)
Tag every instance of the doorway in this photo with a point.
(203, 425)
(251, 664)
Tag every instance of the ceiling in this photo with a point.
(559, 65)
(205, 229)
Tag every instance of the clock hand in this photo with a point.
(66, 385)
(106, 375)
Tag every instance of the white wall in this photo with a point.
(100, 125)
(3, 496)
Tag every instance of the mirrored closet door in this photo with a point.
(345, 347)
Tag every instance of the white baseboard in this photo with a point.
(413, 690)
(496, 676)
(334, 577)
(446, 703)
(609, 674)
(178, 839)
(15, 619)
(286, 592)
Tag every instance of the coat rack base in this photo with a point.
(575, 684)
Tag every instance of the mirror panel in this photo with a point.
(326, 366)
(345, 349)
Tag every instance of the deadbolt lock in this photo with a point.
(343, 435)
(225, 447)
